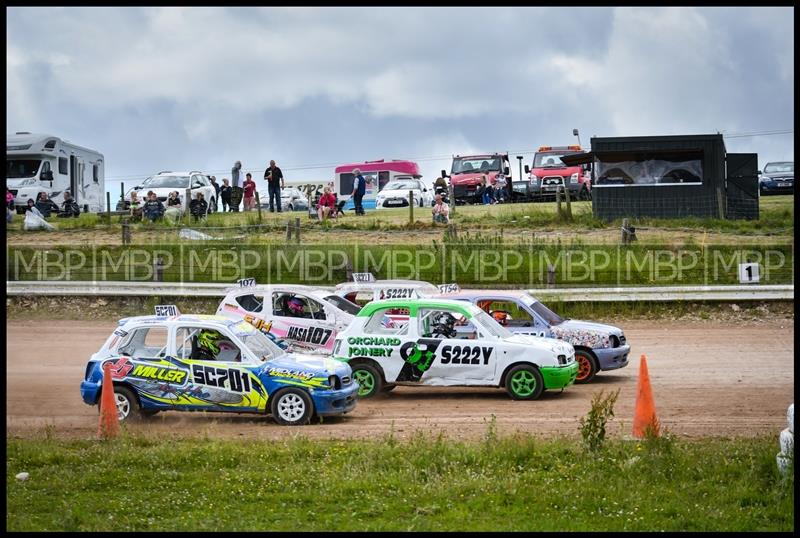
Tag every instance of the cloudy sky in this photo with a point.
(198, 88)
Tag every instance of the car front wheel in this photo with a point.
(524, 382)
(127, 404)
(587, 366)
(292, 407)
(369, 380)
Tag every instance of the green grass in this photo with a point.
(514, 484)
(776, 217)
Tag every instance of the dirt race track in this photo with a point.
(709, 379)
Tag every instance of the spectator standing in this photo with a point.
(249, 193)
(9, 199)
(225, 194)
(153, 209)
(359, 190)
(441, 211)
(274, 177)
(326, 208)
(237, 178)
(216, 191)
(70, 207)
(174, 207)
(45, 205)
(500, 187)
(199, 207)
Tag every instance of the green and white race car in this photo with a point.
(426, 349)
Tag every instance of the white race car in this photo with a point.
(306, 317)
(426, 349)
(395, 194)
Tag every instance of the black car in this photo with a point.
(777, 178)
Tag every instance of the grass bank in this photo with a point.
(776, 218)
(114, 308)
(514, 484)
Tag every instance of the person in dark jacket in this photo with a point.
(274, 178)
(45, 205)
(359, 190)
(225, 195)
(199, 207)
(70, 207)
(153, 209)
(216, 190)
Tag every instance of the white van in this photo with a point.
(45, 163)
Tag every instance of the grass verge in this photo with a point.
(517, 483)
(113, 308)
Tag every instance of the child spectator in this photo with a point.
(500, 187)
(135, 207)
(199, 207)
(153, 209)
(225, 195)
(249, 193)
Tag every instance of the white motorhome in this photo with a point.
(42, 162)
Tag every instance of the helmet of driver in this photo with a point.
(209, 339)
(295, 305)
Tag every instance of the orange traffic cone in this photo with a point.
(109, 420)
(645, 414)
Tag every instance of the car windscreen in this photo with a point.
(549, 160)
(19, 168)
(167, 182)
(343, 304)
(401, 186)
(773, 168)
(492, 327)
(545, 313)
(476, 165)
(261, 346)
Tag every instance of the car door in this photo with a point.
(469, 358)
(312, 328)
(147, 366)
(223, 380)
(513, 314)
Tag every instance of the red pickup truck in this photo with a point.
(467, 171)
(548, 171)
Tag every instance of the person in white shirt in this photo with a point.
(441, 211)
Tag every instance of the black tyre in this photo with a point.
(369, 380)
(524, 382)
(292, 407)
(127, 404)
(587, 366)
(388, 387)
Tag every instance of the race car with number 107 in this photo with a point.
(426, 349)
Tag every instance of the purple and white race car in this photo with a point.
(598, 347)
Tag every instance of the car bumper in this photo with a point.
(612, 358)
(90, 392)
(558, 377)
(336, 402)
(776, 188)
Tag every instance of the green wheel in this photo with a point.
(369, 380)
(524, 382)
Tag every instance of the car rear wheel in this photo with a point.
(292, 407)
(524, 382)
(587, 366)
(369, 380)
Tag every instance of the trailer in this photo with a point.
(45, 163)
(670, 177)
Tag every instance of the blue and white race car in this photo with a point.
(212, 363)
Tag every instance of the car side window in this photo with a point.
(445, 323)
(250, 302)
(507, 313)
(293, 305)
(145, 343)
(198, 343)
(387, 321)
